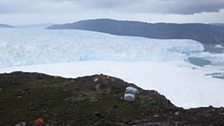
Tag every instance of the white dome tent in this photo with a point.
(130, 94)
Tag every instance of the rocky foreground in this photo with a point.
(91, 100)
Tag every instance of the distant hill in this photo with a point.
(205, 33)
(5, 26)
(44, 25)
(218, 24)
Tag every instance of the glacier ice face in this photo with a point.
(20, 47)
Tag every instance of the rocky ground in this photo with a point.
(91, 100)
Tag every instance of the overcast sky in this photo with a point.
(20, 12)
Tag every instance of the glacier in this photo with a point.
(154, 64)
(19, 47)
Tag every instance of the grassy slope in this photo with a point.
(83, 101)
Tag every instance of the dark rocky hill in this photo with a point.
(90, 100)
(205, 33)
(5, 26)
(218, 24)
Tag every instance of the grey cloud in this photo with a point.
(188, 7)
(41, 6)
(127, 6)
(157, 6)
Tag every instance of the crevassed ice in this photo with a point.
(38, 46)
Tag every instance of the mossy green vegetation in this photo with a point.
(91, 100)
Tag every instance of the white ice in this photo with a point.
(19, 47)
(149, 63)
(178, 81)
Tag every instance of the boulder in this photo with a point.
(93, 99)
(21, 124)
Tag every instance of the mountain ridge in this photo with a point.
(204, 33)
(6, 26)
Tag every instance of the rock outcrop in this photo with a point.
(91, 100)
